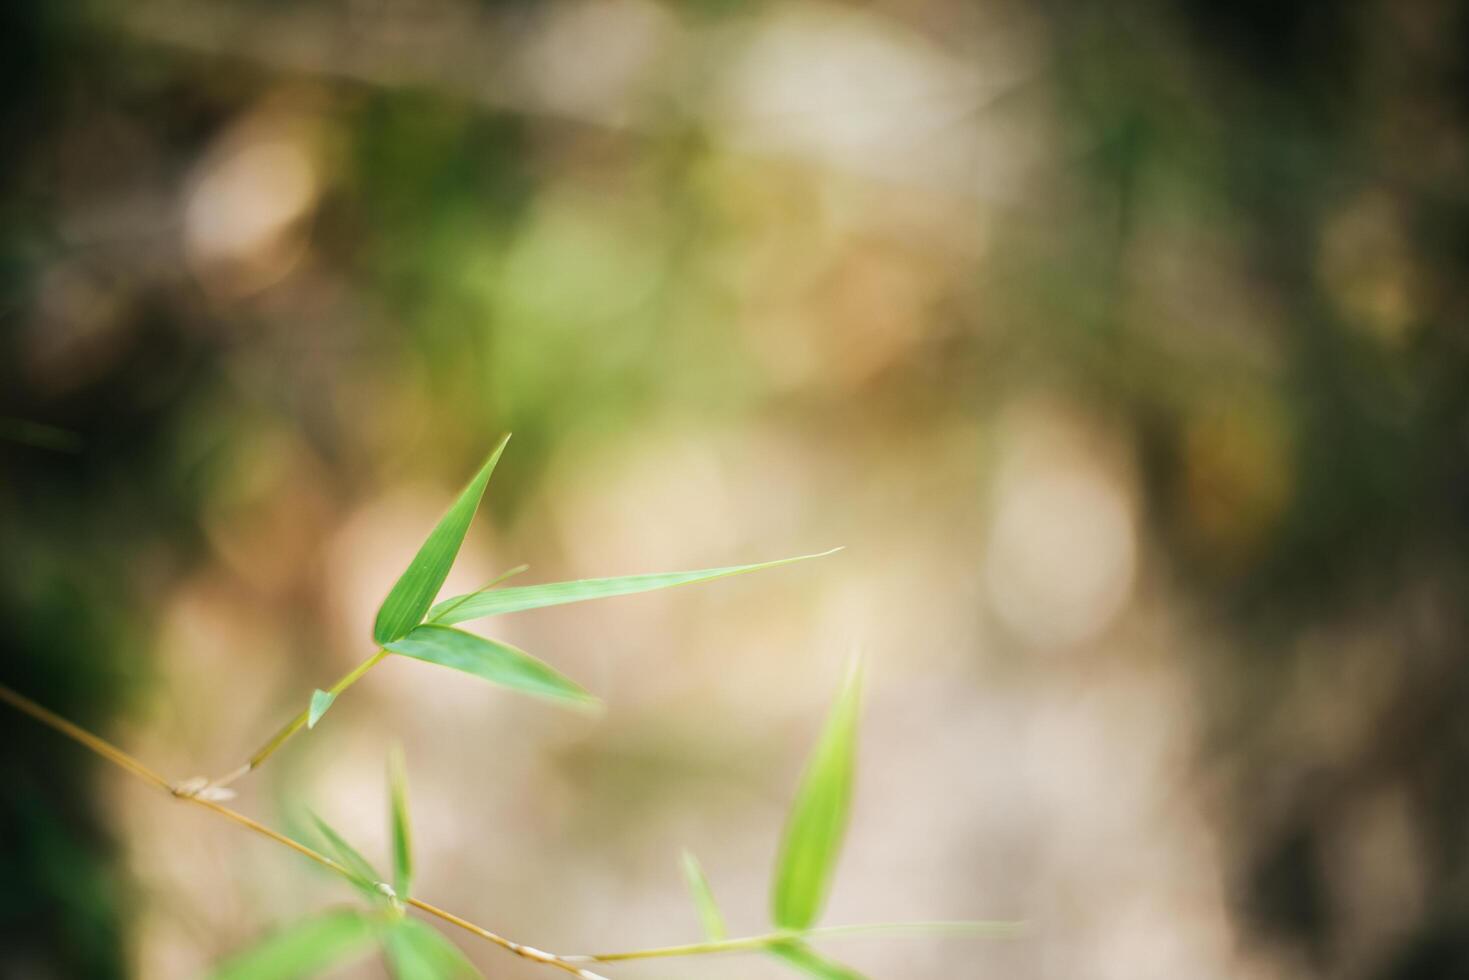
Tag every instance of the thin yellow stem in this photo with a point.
(748, 943)
(520, 949)
(275, 835)
(120, 758)
(294, 725)
(101, 746)
(568, 964)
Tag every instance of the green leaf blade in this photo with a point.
(320, 702)
(363, 874)
(494, 602)
(302, 949)
(812, 963)
(818, 818)
(417, 951)
(416, 589)
(709, 914)
(491, 660)
(402, 833)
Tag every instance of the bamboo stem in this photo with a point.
(748, 943)
(125, 761)
(568, 964)
(289, 729)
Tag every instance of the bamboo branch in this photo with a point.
(745, 944)
(568, 964)
(203, 787)
(293, 726)
(135, 767)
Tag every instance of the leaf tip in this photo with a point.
(589, 704)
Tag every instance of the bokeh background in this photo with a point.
(1123, 345)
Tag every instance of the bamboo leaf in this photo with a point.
(364, 875)
(401, 832)
(302, 949)
(499, 663)
(709, 913)
(494, 602)
(414, 592)
(812, 963)
(417, 951)
(320, 701)
(818, 817)
(441, 612)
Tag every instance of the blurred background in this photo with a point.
(1123, 345)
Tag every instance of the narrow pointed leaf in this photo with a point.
(302, 949)
(401, 832)
(818, 817)
(320, 701)
(493, 602)
(497, 662)
(812, 963)
(709, 914)
(440, 613)
(417, 951)
(364, 875)
(415, 591)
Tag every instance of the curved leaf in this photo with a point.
(499, 663)
(493, 602)
(301, 949)
(709, 913)
(417, 951)
(415, 590)
(818, 817)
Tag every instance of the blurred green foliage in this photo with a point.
(1240, 248)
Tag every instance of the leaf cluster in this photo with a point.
(412, 623)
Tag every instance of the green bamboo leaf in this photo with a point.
(402, 835)
(812, 963)
(818, 817)
(709, 913)
(302, 949)
(441, 612)
(364, 875)
(499, 663)
(320, 701)
(414, 592)
(493, 602)
(417, 951)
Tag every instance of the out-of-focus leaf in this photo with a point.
(492, 660)
(402, 834)
(302, 949)
(812, 963)
(492, 602)
(417, 951)
(709, 913)
(364, 875)
(414, 592)
(818, 817)
(320, 701)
